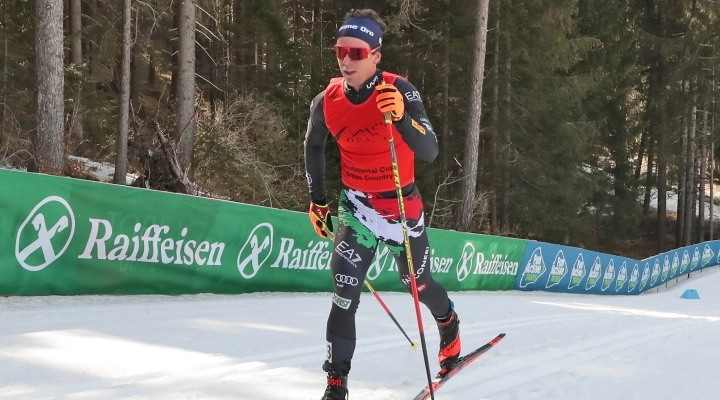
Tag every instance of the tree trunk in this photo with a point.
(3, 117)
(652, 112)
(661, 132)
(470, 161)
(506, 152)
(649, 175)
(185, 96)
(682, 184)
(176, 10)
(702, 141)
(641, 155)
(93, 40)
(711, 134)
(690, 183)
(49, 75)
(76, 121)
(711, 227)
(122, 136)
(445, 141)
(662, 192)
(135, 74)
(494, 228)
(712, 154)
(240, 48)
(316, 26)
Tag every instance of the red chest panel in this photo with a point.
(363, 139)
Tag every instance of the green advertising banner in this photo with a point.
(68, 236)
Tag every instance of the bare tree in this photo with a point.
(470, 161)
(76, 127)
(185, 95)
(122, 135)
(48, 137)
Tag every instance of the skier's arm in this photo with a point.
(415, 126)
(315, 138)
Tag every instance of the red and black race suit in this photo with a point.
(368, 210)
(362, 136)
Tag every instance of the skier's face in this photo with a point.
(356, 72)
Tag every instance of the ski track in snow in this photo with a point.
(271, 346)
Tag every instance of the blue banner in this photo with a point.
(565, 269)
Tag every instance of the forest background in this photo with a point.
(558, 120)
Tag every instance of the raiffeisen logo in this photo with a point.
(634, 278)
(622, 277)
(534, 269)
(255, 251)
(609, 275)
(473, 262)
(558, 270)
(578, 272)
(466, 262)
(594, 276)
(685, 263)
(154, 245)
(45, 234)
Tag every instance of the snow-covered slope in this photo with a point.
(270, 346)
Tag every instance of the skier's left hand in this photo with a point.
(390, 100)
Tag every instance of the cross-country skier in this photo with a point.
(351, 109)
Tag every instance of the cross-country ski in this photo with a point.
(463, 362)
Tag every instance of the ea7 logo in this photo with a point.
(412, 96)
(347, 252)
(52, 224)
(256, 250)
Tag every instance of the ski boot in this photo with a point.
(336, 381)
(449, 328)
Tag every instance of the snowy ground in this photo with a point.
(102, 171)
(270, 346)
(671, 204)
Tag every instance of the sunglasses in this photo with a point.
(355, 53)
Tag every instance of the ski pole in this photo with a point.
(377, 297)
(387, 310)
(406, 243)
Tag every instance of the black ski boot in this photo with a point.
(336, 381)
(449, 328)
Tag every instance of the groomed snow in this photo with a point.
(271, 346)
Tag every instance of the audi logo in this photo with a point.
(350, 280)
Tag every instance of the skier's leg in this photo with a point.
(430, 292)
(353, 252)
(434, 296)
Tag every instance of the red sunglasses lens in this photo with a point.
(355, 53)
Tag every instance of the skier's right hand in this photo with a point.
(320, 218)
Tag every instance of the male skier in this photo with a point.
(352, 110)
